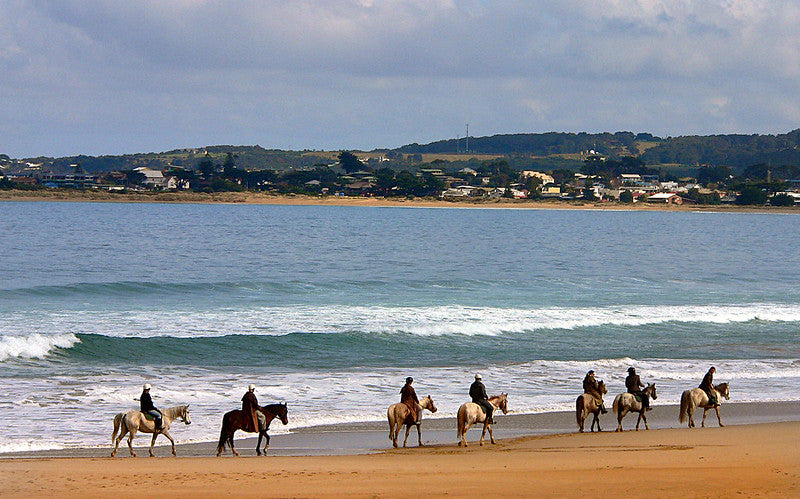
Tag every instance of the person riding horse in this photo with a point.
(590, 386)
(147, 407)
(251, 408)
(408, 396)
(478, 393)
(707, 385)
(633, 384)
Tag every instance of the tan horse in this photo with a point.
(626, 402)
(471, 413)
(133, 421)
(586, 404)
(697, 397)
(399, 414)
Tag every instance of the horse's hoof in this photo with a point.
(580, 431)
(721, 425)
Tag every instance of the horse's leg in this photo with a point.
(172, 441)
(639, 419)
(419, 435)
(266, 442)
(230, 441)
(690, 412)
(132, 432)
(467, 426)
(405, 440)
(644, 418)
(122, 433)
(705, 412)
(395, 434)
(716, 408)
(152, 443)
(621, 414)
(491, 436)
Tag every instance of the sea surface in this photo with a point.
(330, 308)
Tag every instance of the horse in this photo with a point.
(238, 420)
(471, 413)
(133, 421)
(626, 402)
(697, 397)
(399, 414)
(586, 404)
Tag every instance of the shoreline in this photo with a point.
(256, 198)
(366, 438)
(753, 459)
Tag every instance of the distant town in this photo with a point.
(548, 167)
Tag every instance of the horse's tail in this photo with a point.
(615, 407)
(117, 423)
(462, 417)
(222, 434)
(579, 406)
(390, 417)
(684, 405)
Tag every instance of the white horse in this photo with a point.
(133, 421)
(471, 413)
(626, 402)
(697, 397)
(399, 414)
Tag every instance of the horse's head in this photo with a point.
(601, 386)
(724, 390)
(185, 417)
(427, 403)
(282, 413)
(502, 402)
(651, 390)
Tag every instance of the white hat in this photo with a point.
(147, 386)
(478, 376)
(251, 387)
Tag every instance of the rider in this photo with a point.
(251, 408)
(147, 407)
(707, 385)
(633, 384)
(408, 396)
(591, 386)
(478, 393)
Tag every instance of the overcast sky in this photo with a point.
(110, 77)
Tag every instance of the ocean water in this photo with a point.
(330, 308)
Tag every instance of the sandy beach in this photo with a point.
(756, 458)
(257, 198)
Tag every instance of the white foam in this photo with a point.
(34, 346)
(425, 321)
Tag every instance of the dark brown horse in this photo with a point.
(238, 420)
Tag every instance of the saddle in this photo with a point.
(638, 397)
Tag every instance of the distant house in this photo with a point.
(665, 197)
(545, 178)
(152, 178)
(551, 191)
(462, 191)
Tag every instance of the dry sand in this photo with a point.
(761, 459)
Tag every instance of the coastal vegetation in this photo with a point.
(622, 167)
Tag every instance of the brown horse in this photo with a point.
(626, 402)
(692, 399)
(586, 404)
(399, 414)
(238, 420)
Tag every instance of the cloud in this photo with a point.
(102, 76)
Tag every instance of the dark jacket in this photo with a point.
(633, 383)
(477, 391)
(708, 382)
(145, 402)
(590, 385)
(408, 396)
(249, 407)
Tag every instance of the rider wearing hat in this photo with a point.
(408, 396)
(634, 385)
(590, 386)
(147, 407)
(252, 410)
(478, 393)
(707, 385)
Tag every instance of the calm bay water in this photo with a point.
(335, 306)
